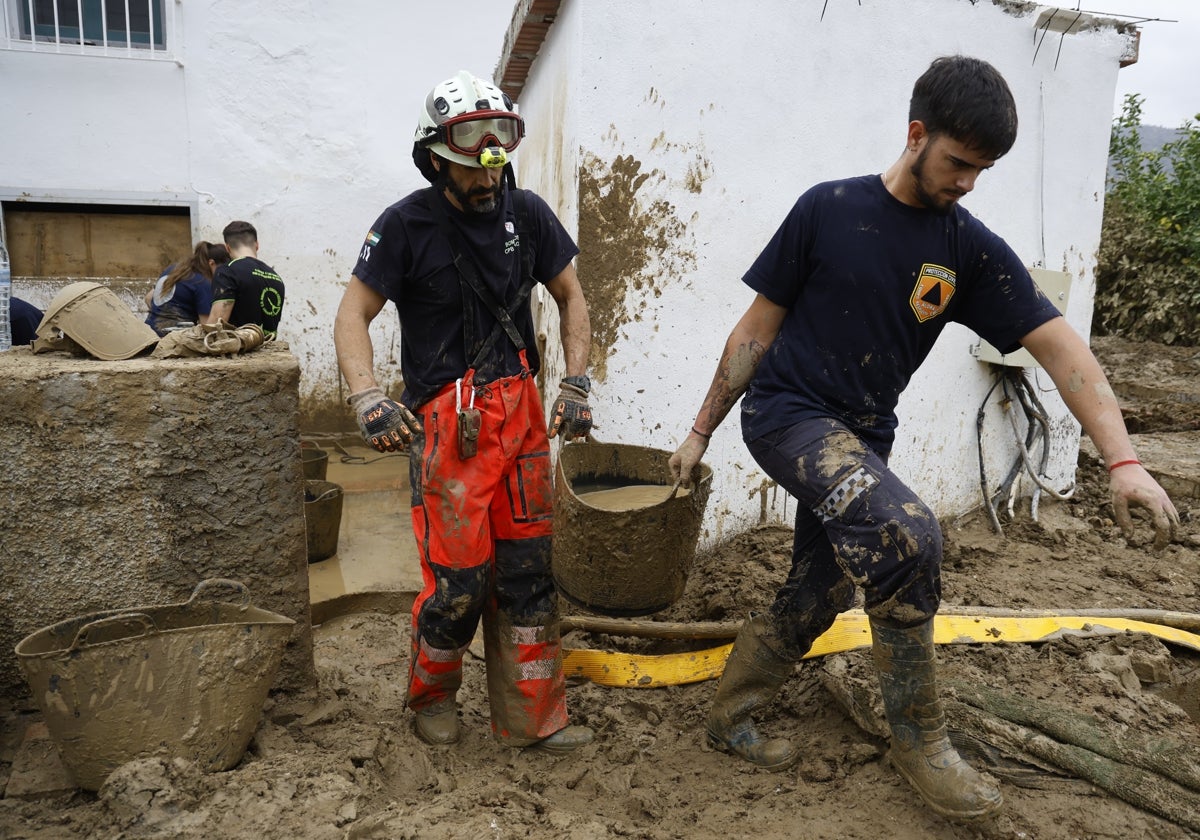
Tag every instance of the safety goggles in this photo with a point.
(470, 133)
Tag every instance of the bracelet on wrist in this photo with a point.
(705, 436)
(1125, 463)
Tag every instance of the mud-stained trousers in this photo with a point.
(856, 524)
(483, 526)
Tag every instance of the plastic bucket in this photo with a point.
(315, 462)
(188, 680)
(322, 518)
(626, 562)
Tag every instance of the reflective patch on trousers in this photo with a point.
(840, 497)
(527, 635)
(541, 669)
(441, 654)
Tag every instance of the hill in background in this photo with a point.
(1153, 137)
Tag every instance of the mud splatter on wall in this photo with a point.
(629, 240)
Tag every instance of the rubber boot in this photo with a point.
(437, 723)
(752, 677)
(921, 749)
(568, 739)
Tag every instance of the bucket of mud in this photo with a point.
(315, 462)
(322, 518)
(624, 537)
(184, 680)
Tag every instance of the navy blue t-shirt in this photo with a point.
(869, 283)
(186, 302)
(24, 319)
(407, 259)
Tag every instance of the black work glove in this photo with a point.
(571, 416)
(385, 424)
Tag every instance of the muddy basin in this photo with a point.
(179, 680)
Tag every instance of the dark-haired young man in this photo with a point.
(852, 292)
(246, 290)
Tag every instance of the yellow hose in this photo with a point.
(851, 631)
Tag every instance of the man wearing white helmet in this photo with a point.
(459, 260)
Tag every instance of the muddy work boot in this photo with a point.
(568, 739)
(437, 723)
(921, 749)
(752, 677)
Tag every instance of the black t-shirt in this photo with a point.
(869, 283)
(256, 292)
(407, 259)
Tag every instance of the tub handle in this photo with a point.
(328, 494)
(112, 628)
(202, 593)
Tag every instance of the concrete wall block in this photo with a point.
(126, 483)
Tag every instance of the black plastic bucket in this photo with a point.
(322, 518)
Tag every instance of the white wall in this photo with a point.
(730, 111)
(296, 116)
(299, 117)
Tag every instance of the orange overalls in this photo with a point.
(483, 526)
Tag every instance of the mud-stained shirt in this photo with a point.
(407, 259)
(869, 283)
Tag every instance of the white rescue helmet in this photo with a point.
(466, 120)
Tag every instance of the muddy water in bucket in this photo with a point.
(623, 542)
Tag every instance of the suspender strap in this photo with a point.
(525, 238)
(469, 274)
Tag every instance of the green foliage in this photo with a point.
(1148, 276)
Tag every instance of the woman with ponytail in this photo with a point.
(183, 294)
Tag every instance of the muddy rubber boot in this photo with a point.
(568, 739)
(752, 677)
(437, 723)
(921, 749)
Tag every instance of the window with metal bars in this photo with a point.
(110, 24)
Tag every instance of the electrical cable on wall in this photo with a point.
(1018, 397)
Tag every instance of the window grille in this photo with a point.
(132, 28)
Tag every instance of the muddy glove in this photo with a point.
(385, 424)
(571, 416)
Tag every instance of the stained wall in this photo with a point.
(127, 483)
(694, 127)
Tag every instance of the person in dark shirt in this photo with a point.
(246, 290)
(24, 318)
(183, 294)
(850, 295)
(459, 259)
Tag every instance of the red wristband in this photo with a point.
(1124, 464)
(697, 431)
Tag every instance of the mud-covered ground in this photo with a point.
(343, 762)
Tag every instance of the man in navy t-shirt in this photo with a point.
(851, 293)
(459, 260)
